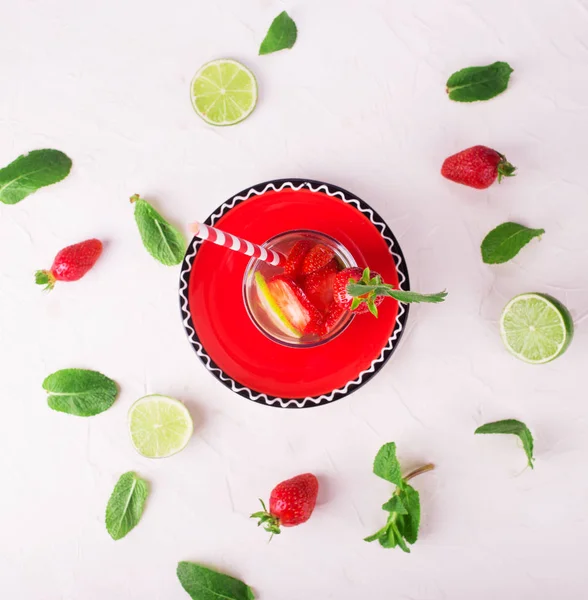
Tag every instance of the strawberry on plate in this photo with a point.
(295, 258)
(291, 503)
(477, 167)
(318, 257)
(318, 286)
(287, 305)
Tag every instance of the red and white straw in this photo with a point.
(232, 242)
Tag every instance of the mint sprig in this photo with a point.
(30, 172)
(80, 392)
(514, 427)
(479, 83)
(202, 583)
(505, 241)
(125, 505)
(281, 34)
(367, 289)
(403, 508)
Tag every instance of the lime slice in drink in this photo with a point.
(159, 426)
(224, 92)
(536, 328)
(279, 310)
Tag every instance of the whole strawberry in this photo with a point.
(358, 305)
(71, 263)
(291, 503)
(477, 167)
(363, 291)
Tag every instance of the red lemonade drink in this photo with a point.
(293, 304)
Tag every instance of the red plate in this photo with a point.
(229, 344)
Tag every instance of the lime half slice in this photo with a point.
(536, 328)
(224, 92)
(159, 426)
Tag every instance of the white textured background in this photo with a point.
(358, 102)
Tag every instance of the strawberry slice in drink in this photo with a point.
(295, 258)
(318, 286)
(288, 306)
(332, 318)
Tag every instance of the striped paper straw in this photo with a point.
(232, 242)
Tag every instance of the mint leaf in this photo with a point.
(384, 289)
(162, 240)
(125, 506)
(479, 83)
(32, 171)
(505, 242)
(281, 34)
(386, 464)
(395, 505)
(203, 583)
(516, 428)
(80, 392)
(404, 508)
(409, 524)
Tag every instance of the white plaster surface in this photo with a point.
(358, 102)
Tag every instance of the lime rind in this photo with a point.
(223, 92)
(536, 328)
(159, 426)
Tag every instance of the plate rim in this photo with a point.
(376, 365)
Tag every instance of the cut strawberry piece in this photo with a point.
(295, 259)
(292, 302)
(317, 258)
(318, 286)
(334, 313)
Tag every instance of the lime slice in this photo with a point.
(536, 328)
(273, 309)
(159, 426)
(224, 92)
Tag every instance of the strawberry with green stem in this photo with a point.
(71, 263)
(363, 291)
(291, 503)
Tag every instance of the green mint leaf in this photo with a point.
(505, 242)
(281, 34)
(479, 83)
(203, 583)
(516, 428)
(395, 505)
(125, 506)
(359, 289)
(386, 464)
(80, 392)
(162, 240)
(30, 172)
(408, 524)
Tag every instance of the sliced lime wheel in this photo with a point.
(224, 92)
(271, 305)
(159, 426)
(536, 328)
